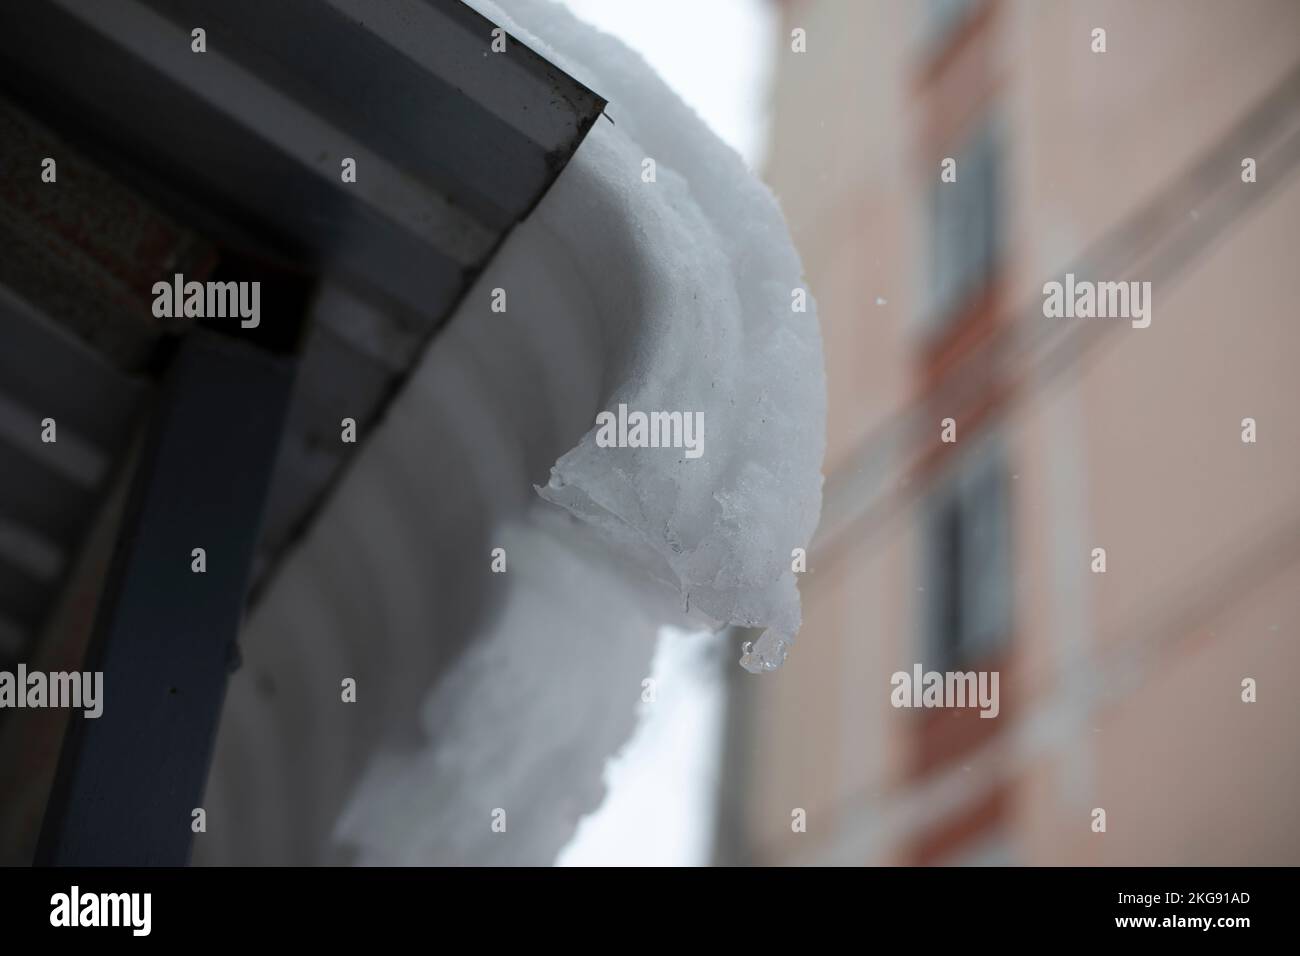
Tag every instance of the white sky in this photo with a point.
(715, 54)
(660, 804)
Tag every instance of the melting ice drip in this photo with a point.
(766, 654)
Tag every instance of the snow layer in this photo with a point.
(671, 295)
(697, 268)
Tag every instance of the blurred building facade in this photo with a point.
(1119, 690)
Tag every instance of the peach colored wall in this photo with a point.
(1139, 452)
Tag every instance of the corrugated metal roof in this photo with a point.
(177, 161)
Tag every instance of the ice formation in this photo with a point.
(672, 295)
(697, 269)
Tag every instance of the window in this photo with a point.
(965, 227)
(966, 561)
(942, 17)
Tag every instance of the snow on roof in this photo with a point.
(667, 295)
